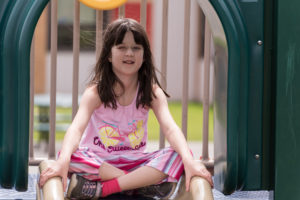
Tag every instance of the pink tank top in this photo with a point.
(122, 130)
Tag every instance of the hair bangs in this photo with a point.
(139, 38)
(120, 34)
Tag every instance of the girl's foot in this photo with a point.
(162, 191)
(81, 188)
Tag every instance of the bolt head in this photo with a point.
(259, 42)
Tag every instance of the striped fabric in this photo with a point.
(86, 162)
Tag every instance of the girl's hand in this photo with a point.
(194, 168)
(58, 168)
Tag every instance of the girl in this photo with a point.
(104, 146)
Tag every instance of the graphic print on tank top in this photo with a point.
(136, 134)
(111, 135)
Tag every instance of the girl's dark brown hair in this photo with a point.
(104, 76)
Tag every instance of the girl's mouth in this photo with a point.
(128, 62)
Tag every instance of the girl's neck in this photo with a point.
(126, 96)
(129, 85)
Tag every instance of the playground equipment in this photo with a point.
(286, 115)
(238, 94)
(256, 98)
(17, 22)
(200, 189)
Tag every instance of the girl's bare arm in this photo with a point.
(169, 127)
(89, 102)
(176, 138)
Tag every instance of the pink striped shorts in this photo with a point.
(86, 162)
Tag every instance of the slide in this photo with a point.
(17, 21)
(199, 189)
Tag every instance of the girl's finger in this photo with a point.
(41, 181)
(187, 183)
(211, 182)
(209, 179)
(44, 171)
(48, 173)
(65, 183)
(44, 178)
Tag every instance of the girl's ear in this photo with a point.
(109, 58)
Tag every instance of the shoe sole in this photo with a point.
(72, 185)
(176, 189)
(171, 192)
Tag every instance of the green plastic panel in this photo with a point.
(287, 152)
(253, 14)
(18, 21)
(238, 122)
(269, 99)
(5, 9)
(231, 179)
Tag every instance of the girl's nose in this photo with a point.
(129, 52)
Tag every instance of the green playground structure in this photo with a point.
(17, 21)
(257, 93)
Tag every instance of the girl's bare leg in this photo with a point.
(140, 177)
(108, 172)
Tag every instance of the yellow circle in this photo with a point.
(109, 136)
(103, 4)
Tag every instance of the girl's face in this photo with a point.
(127, 57)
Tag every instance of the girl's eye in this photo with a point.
(121, 47)
(137, 48)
